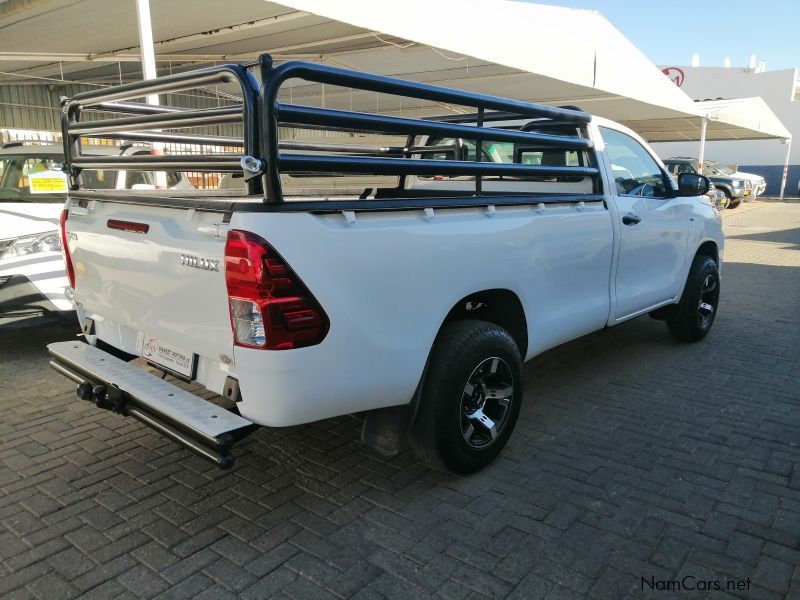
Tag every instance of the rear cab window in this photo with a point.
(509, 153)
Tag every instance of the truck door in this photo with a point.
(652, 228)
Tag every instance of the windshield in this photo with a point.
(16, 172)
(38, 178)
(714, 170)
(726, 170)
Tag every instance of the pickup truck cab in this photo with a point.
(416, 304)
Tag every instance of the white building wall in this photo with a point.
(765, 157)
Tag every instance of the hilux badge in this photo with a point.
(206, 264)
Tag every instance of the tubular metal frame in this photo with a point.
(148, 118)
(262, 114)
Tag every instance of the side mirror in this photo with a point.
(692, 184)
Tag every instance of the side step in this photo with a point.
(113, 384)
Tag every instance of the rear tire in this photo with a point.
(470, 398)
(699, 302)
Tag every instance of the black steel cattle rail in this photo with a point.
(264, 157)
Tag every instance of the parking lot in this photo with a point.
(636, 459)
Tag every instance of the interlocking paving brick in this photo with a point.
(613, 584)
(773, 574)
(143, 582)
(689, 467)
(52, 586)
(190, 587)
(745, 547)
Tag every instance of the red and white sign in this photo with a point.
(675, 75)
(169, 356)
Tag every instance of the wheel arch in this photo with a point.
(709, 248)
(384, 428)
(725, 187)
(499, 306)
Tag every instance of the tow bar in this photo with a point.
(112, 384)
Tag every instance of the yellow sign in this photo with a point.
(48, 182)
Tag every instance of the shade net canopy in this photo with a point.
(546, 54)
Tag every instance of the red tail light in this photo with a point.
(65, 248)
(270, 306)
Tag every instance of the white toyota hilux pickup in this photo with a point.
(415, 303)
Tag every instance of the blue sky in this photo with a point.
(670, 31)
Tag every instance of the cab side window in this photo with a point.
(636, 173)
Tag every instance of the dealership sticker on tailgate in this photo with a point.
(168, 356)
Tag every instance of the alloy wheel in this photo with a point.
(486, 402)
(707, 304)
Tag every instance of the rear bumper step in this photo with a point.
(113, 384)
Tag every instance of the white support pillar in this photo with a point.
(146, 44)
(788, 143)
(702, 155)
(149, 71)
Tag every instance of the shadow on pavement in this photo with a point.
(789, 237)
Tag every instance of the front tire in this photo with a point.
(699, 302)
(731, 202)
(470, 398)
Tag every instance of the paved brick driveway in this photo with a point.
(634, 457)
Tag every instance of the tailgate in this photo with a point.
(154, 270)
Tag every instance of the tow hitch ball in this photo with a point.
(109, 398)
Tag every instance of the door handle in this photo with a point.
(631, 219)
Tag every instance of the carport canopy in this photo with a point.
(734, 119)
(520, 50)
(541, 53)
